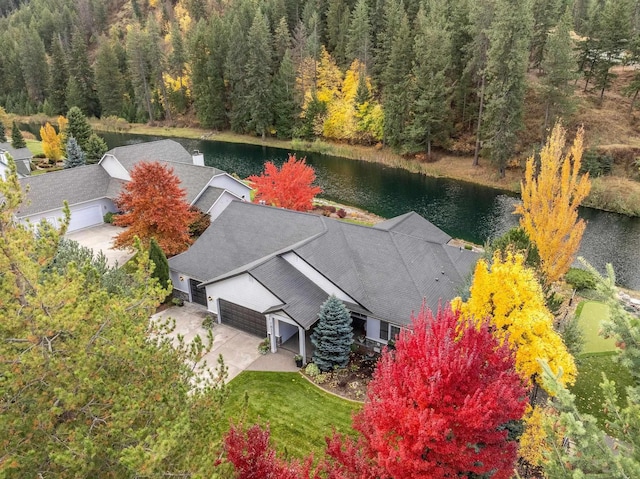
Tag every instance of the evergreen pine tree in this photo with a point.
(3, 134)
(33, 61)
(545, 17)
(161, 270)
(109, 80)
(82, 73)
(75, 155)
(507, 57)
(78, 127)
(96, 148)
(332, 335)
(235, 71)
(258, 76)
(281, 40)
(558, 65)
(430, 95)
(359, 44)
(139, 70)
(396, 79)
(285, 108)
(338, 21)
(17, 140)
(393, 18)
(58, 77)
(158, 65)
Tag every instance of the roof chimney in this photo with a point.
(198, 158)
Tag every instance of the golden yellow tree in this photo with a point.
(550, 200)
(509, 293)
(51, 142)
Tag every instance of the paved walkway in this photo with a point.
(239, 349)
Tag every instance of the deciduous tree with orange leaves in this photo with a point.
(551, 195)
(289, 187)
(154, 206)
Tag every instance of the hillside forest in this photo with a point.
(413, 75)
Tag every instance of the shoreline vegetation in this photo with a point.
(609, 193)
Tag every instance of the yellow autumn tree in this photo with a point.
(510, 295)
(533, 443)
(63, 123)
(51, 142)
(550, 200)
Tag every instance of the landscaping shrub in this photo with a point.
(580, 279)
(331, 209)
(265, 346)
(208, 322)
(312, 370)
(341, 213)
(573, 336)
(178, 301)
(108, 217)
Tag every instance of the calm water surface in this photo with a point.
(464, 210)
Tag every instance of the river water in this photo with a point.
(464, 210)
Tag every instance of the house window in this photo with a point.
(388, 331)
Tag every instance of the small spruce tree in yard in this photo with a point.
(332, 336)
(96, 148)
(78, 126)
(75, 155)
(17, 140)
(159, 259)
(3, 133)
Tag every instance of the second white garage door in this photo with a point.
(85, 217)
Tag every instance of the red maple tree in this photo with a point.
(252, 456)
(154, 206)
(437, 405)
(289, 187)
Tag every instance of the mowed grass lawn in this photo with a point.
(592, 314)
(598, 357)
(35, 146)
(299, 414)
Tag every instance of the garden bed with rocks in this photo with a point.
(350, 382)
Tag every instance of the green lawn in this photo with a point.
(35, 146)
(299, 414)
(591, 316)
(587, 387)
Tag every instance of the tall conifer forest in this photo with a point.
(411, 74)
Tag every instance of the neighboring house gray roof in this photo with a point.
(21, 156)
(75, 185)
(193, 178)
(388, 271)
(160, 150)
(208, 198)
(16, 153)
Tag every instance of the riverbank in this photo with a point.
(612, 193)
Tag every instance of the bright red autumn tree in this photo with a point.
(253, 457)
(289, 187)
(154, 206)
(437, 405)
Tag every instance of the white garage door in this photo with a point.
(85, 217)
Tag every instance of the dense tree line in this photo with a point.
(409, 73)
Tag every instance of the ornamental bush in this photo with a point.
(332, 336)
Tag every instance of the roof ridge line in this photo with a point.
(357, 271)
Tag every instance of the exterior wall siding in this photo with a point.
(231, 184)
(243, 290)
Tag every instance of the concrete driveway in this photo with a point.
(100, 238)
(239, 349)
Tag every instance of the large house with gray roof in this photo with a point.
(91, 189)
(21, 156)
(267, 271)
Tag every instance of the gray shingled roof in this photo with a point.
(301, 297)
(389, 270)
(244, 233)
(208, 198)
(75, 185)
(160, 150)
(193, 178)
(17, 153)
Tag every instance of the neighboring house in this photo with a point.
(267, 271)
(90, 190)
(22, 157)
